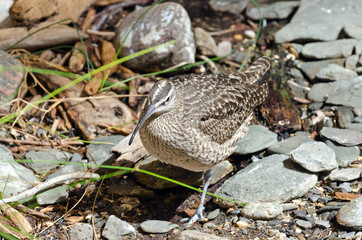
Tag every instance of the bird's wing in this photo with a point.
(219, 104)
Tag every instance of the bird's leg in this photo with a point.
(198, 215)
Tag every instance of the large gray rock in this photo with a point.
(320, 20)
(272, 179)
(277, 10)
(346, 174)
(288, 145)
(353, 30)
(344, 137)
(315, 157)
(14, 177)
(164, 22)
(350, 216)
(258, 138)
(335, 72)
(334, 49)
(347, 92)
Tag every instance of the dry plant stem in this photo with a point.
(219, 33)
(49, 183)
(105, 34)
(52, 143)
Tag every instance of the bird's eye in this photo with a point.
(167, 100)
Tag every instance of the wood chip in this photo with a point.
(346, 196)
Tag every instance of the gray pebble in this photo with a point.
(303, 224)
(262, 210)
(315, 157)
(347, 174)
(157, 226)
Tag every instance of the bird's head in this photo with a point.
(161, 99)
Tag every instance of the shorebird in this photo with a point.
(194, 121)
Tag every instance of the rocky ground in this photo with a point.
(299, 167)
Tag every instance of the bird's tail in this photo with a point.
(258, 72)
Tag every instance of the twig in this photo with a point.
(219, 33)
(49, 183)
(62, 142)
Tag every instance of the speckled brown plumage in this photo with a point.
(194, 121)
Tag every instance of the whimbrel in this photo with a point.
(194, 121)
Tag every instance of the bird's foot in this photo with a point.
(196, 217)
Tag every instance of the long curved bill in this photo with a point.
(150, 110)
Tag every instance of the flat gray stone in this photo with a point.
(359, 47)
(14, 177)
(257, 139)
(98, 150)
(265, 181)
(311, 68)
(220, 170)
(80, 231)
(344, 155)
(65, 169)
(164, 22)
(205, 42)
(277, 10)
(213, 214)
(196, 235)
(343, 92)
(320, 20)
(323, 224)
(350, 216)
(45, 160)
(352, 61)
(334, 72)
(334, 49)
(116, 228)
(354, 126)
(55, 195)
(315, 157)
(288, 145)
(157, 226)
(297, 89)
(344, 137)
(353, 30)
(261, 210)
(232, 6)
(345, 175)
(303, 224)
